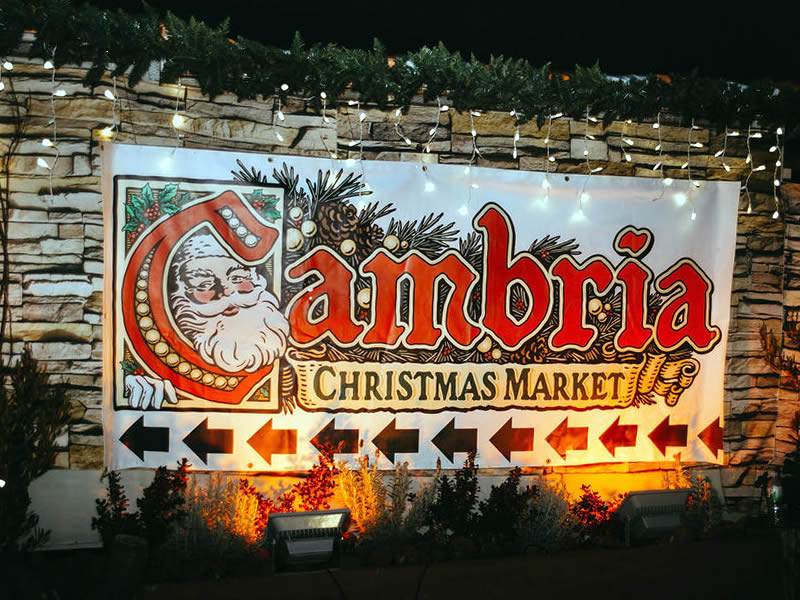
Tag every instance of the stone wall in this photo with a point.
(56, 239)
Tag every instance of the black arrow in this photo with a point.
(204, 441)
(451, 440)
(268, 441)
(139, 438)
(392, 440)
(508, 440)
(668, 435)
(340, 441)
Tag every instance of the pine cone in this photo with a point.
(336, 221)
(535, 352)
(367, 238)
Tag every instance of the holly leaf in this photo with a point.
(138, 202)
(167, 194)
(184, 198)
(147, 195)
(128, 366)
(270, 201)
(170, 208)
(130, 211)
(131, 226)
(271, 213)
(256, 195)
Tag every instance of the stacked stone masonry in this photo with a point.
(56, 240)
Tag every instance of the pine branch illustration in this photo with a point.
(371, 213)
(427, 235)
(335, 189)
(551, 247)
(248, 175)
(471, 248)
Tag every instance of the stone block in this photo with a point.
(501, 123)
(42, 284)
(758, 429)
(70, 231)
(60, 350)
(85, 457)
(16, 215)
(597, 149)
(52, 332)
(62, 246)
(31, 231)
(54, 312)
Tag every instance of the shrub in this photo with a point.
(703, 508)
(364, 494)
(500, 515)
(33, 413)
(548, 524)
(453, 510)
(316, 489)
(222, 519)
(159, 508)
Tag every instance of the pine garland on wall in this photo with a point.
(124, 44)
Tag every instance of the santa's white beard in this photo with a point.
(248, 340)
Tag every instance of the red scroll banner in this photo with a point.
(146, 273)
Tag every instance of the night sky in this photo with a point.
(718, 39)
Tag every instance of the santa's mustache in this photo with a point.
(212, 308)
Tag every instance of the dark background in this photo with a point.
(740, 42)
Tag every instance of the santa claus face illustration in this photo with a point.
(224, 307)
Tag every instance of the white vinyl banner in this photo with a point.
(262, 309)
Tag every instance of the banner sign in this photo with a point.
(262, 308)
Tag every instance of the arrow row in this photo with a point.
(711, 436)
(341, 441)
(139, 438)
(668, 435)
(393, 440)
(617, 436)
(565, 438)
(268, 441)
(204, 441)
(508, 439)
(451, 440)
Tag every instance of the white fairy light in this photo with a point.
(109, 131)
(47, 143)
(178, 120)
(777, 174)
(42, 163)
(60, 93)
(48, 64)
(7, 65)
(109, 94)
(284, 87)
(434, 130)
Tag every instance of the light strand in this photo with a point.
(514, 114)
(777, 174)
(110, 131)
(688, 166)
(434, 130)
(625, 142)
(550, 159)
(324, 97)
(8, 66)
(659, 166)
(583, 196)
(398, 128)
(277, 114)
(473, 131)
(178, 120)
(51, 143)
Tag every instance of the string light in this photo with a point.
(777, 175)
(109, 131)
(721, 153)
(659, 166)
(550, 159)
(324, 98)
(749, 161)
(435, 128)
(584, 196)
(178, 120)
(514, 114)
(398, 129)
(688, 166)
(429, 185)
(625, 141)
(46, 142)
(8, 67)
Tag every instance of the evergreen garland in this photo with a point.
(121, 43)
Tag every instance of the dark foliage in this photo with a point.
(453, 510)
(121, 43)
(159, 508)
(33, 413)
(506, 507)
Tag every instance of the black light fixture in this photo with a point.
(652, 513)
(306, 539)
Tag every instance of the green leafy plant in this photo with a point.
(161, 506)
(453, 510)
(33, 413)
(501, 513)
(364, 493)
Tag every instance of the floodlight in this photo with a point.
(652, 513)
(304, 539)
